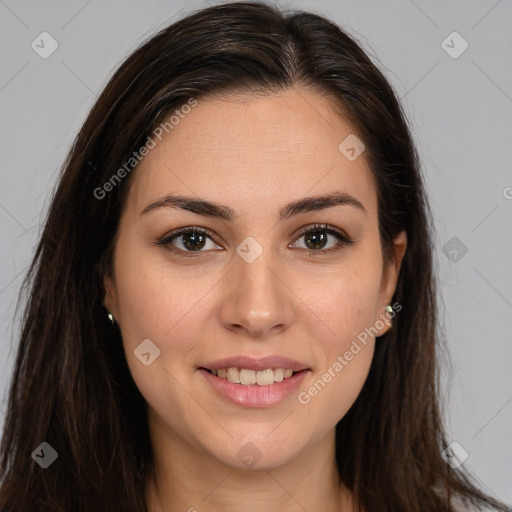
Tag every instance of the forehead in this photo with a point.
(250, 150)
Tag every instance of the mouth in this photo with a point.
(249, 388)
(247, 377)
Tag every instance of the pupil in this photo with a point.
(195, 238)
(318, 238)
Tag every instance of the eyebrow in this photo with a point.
(208, 208)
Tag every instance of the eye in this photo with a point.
(188, 240)
(316, 239)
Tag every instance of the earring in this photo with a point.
(389, 310)
(111, 318)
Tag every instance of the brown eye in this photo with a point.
(193, 241)
(317, 238)
(188, 240)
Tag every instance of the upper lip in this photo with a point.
(249, 363)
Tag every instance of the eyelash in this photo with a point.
(344, 240)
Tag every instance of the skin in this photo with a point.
(253, 155)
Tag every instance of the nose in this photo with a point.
(257, 299)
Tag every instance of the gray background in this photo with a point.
(460, 110)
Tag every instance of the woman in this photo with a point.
(232, 304)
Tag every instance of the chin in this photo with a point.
(260, 452)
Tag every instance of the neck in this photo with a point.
(187, 480)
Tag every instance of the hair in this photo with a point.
(71, 385)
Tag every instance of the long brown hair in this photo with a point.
(71, 386)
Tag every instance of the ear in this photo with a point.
(390, 274)
(110, 297)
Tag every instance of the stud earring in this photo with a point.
(111, 318)
(389, 310)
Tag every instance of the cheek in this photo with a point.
(345, 377)
(153, 301)
(343, 298)
(157, 317)
(346, 303)
(157, 314)
(335, 385)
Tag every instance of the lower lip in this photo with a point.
(254, 395)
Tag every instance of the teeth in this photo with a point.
(247, 377)
(265, 377)
(233, 375)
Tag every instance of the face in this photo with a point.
(264, 288)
